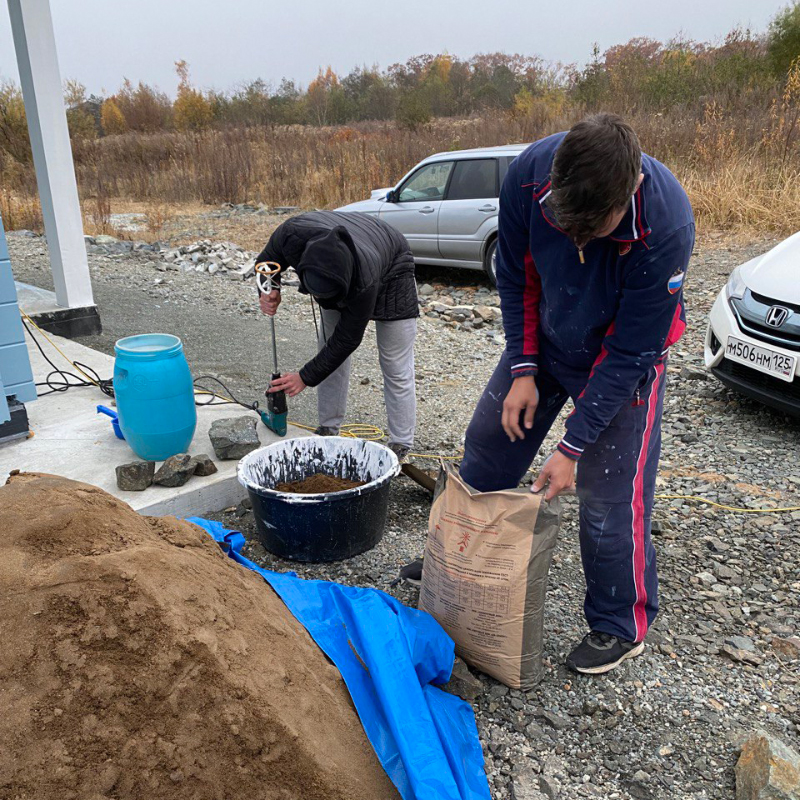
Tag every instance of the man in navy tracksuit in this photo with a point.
(594, 241)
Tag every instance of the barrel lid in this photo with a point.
(148, 345)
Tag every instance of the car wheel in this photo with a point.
(490, 261)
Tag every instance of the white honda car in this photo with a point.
(753, 338)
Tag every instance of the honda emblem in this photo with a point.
(777, 315)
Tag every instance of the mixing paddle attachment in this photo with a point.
(275, 416)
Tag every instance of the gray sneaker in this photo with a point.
(400, 450)
(323, 430)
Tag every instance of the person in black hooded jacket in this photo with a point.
(358, 269)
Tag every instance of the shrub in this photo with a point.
(144, 108)
(784, 39)
(191, 111)
(412, 111)
(112, 119)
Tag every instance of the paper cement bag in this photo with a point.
(485, 575)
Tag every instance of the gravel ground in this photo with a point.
(663, 726)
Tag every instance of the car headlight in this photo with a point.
(736, 286)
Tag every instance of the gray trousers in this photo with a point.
(396, 356)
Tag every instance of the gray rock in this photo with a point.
(550, 786)
(425, 290)
(638, 790)
(497, 691)
(767, 770)
(104, 239)
(706, 578)
(136, 476)
(487, 313)
(234, 437)
(175, 471)
(689, 373)
(741, 643)
(204, 465)
(466, 310)
(525, 785)
(554, 720)
(463, 683)
(243, 509)
(247, 271)
(717, 545)
(743, 656)
(534, 731)
(726, 573)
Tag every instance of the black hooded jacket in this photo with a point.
(350, 262)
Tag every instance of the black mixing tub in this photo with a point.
(319, 527)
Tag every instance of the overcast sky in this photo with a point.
(232, 41)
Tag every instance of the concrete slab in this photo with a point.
(72, 440)
(34, 300)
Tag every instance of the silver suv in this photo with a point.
(447, 206)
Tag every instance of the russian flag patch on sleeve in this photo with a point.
(676, 281)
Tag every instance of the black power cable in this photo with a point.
(60, 380)
(216, 400)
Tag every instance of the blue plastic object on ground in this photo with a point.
(390, 657)
(114, 420)
(155, 395)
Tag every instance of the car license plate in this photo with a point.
(761, 358)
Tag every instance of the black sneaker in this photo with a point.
(601, 652)
(323, 430)
(410, 573)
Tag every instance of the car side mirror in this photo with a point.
(391, 196)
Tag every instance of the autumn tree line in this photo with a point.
(725, 116)
(642, 74)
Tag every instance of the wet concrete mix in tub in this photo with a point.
(319, 483)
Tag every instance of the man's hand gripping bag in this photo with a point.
(485, 575)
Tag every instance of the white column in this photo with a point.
(34, 41)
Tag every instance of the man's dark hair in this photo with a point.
(594, 173)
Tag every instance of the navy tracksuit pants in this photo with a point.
(615, 483)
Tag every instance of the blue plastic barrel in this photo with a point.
(155, 396)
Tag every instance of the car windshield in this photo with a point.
(427, 183)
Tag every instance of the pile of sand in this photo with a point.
(138, 661)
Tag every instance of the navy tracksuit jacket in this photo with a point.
(595, 326)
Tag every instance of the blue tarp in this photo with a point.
(390, 657)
